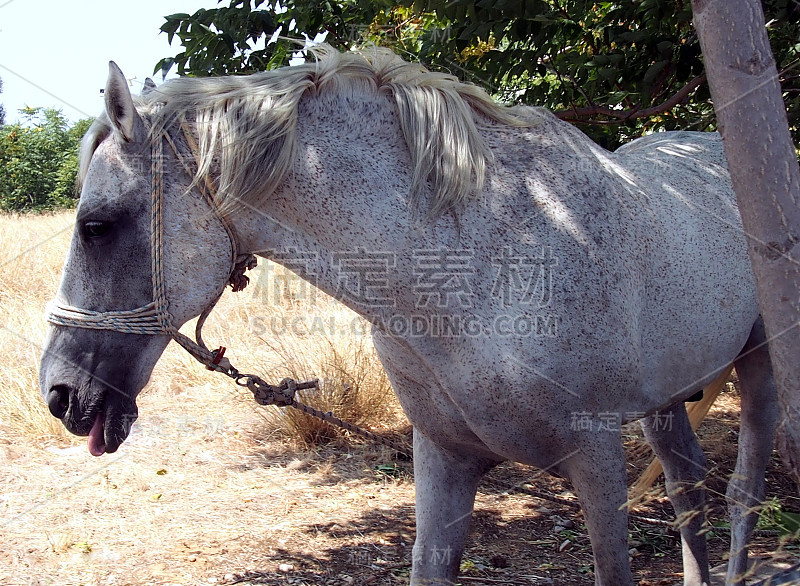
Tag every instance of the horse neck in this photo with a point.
(348, 190)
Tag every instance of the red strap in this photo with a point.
(218, 354)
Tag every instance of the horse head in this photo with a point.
(110, 322)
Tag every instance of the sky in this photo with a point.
(55, 53)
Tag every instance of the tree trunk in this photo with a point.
(751, 117)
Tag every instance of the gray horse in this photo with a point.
(530, 292)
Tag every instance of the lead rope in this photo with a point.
(154, 318)
(282, 395)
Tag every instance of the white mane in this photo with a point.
(246, 125)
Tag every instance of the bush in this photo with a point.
(39, 161)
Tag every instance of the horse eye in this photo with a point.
(94, 229)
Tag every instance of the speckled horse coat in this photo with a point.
(530, 291)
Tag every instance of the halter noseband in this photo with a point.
(154, 318)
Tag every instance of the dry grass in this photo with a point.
(352, 385)
(33, 251)
(277, 327)
(290, 330)
(187, 492)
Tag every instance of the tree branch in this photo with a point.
(585, 114)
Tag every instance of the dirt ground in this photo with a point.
(199, 495)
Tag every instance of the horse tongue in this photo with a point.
(97, 443)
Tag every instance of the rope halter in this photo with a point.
(154, 318)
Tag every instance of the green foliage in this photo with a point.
(617, 69)
(218, 41)
(221, 40)
(773, 517)
(39, 161)
(611, 67)
(598, 64)
(2, 110)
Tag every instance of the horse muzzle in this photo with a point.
(89, 380)
(106, 422)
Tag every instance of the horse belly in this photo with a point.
(469, 397)
(700, 298)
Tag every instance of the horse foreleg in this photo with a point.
(673, 441)
(445, 485)
(597, 471)
(746, 489)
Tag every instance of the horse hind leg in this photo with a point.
(670, 435)
(746, 489)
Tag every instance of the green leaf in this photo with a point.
(653, 71)
(164, 66)
(788, 522)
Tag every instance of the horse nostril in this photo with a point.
(58, 400)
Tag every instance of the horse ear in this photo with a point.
(149, 86)
(119, 105)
